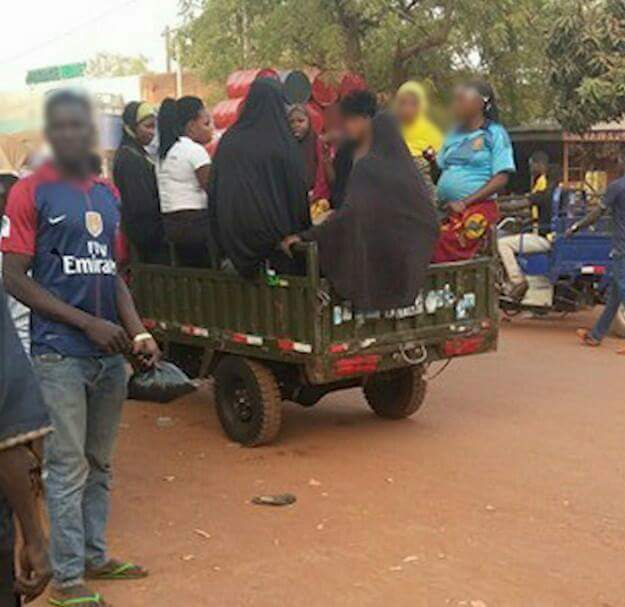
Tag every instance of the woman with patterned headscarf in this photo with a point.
(135, 178)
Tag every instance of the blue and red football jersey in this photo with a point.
(70, 229)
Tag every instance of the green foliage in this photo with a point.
(110, 65)
(389, 41)
(586, 56)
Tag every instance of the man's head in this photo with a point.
(357, 111)
(70, 129)
(539, 163)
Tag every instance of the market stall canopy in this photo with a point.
(551, 130)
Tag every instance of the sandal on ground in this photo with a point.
(116, 570)
(82, 597)
(587, 339)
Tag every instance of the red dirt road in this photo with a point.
(508, 489)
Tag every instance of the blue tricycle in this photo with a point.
(574, 275)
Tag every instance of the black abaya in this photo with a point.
(258, 190)
(376, 248)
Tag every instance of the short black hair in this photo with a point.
(62, 97)
(359, 103)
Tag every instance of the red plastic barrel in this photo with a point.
(351, 82)
(325, 88)
(225, 113)
(239, 82)
(317, 120)
(297, 87)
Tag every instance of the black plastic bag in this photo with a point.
(162, 383)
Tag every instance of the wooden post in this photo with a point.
(167, 36)
(178, 68)
(565, 164)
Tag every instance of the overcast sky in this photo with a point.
(43, 33)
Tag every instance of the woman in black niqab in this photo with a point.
(376, 248)
(258, 190)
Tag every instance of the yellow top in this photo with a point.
(540, 185)
(422, 133)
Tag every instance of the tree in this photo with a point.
(388, 41)
(587, 63)
(110, 65)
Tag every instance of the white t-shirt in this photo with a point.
(177, 183)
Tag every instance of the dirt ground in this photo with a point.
(507, 489)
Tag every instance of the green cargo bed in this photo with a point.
(310, 340)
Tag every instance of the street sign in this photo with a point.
(56, 72)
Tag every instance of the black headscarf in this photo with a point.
(258, 190)
(343, 164)
(376, 249)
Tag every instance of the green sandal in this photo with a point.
(83, 600)
(121, 572)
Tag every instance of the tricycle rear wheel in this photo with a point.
(396, 394)
(248, 401)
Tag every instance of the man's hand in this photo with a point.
(108, 336)
(288, 242)
(147, 350)
(35, 571)
(457, 206)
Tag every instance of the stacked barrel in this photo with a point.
(319, 91)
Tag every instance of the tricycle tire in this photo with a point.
(396, 394)
(248, 401)
(618, 326)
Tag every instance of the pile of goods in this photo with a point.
(318, 91)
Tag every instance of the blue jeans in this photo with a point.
(84, 397)
(616, 297)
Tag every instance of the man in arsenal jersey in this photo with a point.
(63, 225)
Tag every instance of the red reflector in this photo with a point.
(338, 348)
(285, 344)
(462, 346)
(149, 323)
(239, 338)
(357, 364)
(600, 270)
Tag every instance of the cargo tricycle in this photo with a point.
(292, 338)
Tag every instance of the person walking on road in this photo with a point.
(613, 201)
(63, 223)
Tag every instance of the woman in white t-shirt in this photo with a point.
(182, 172)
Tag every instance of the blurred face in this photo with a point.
(200, 129)
(407, 108)
(71, 134)
(466, 105)
(300, 124)
(146, 130)
(357, 128)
